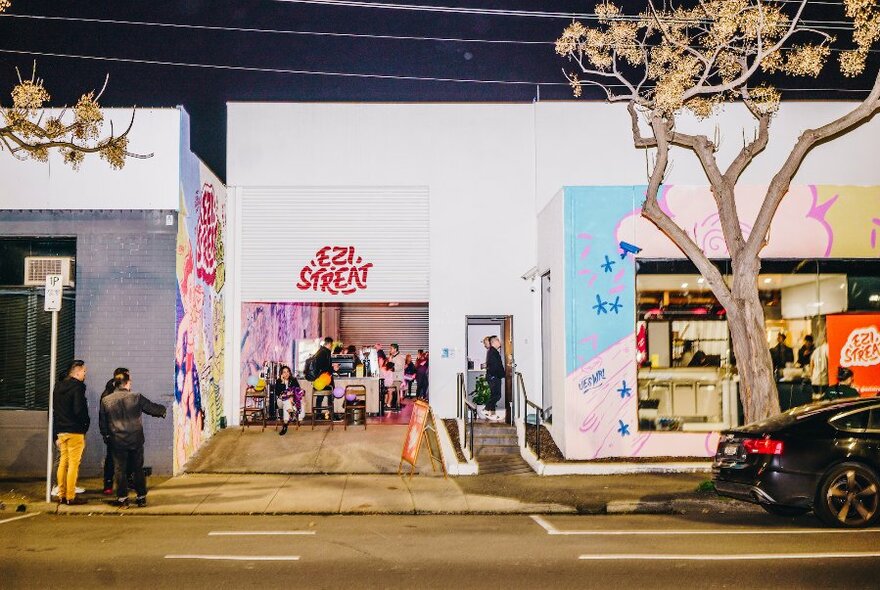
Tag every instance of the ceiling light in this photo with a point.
(684, 285)
(874, 298)
(768, 281)
(843, 285)
(701, 280)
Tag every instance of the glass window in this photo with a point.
(855, 422)
(874, 421)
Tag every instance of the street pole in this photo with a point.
(52, 302)
(52, 362)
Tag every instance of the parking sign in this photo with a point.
(54, 288)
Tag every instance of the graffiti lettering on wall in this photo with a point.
(269, 332)
(337, 270)
(198, 383)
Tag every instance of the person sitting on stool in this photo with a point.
(286, 390)
(844, 386)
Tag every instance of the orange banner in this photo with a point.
(413, 440)
(854, 342)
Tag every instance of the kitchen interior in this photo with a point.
(687, 374)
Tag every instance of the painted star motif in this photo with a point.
(608, 265)
(600, 306)
(625, 390)
(623, 429)
(616, 306)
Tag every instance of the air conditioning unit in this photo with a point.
(37, 267)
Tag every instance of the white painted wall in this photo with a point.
(150, 183)
(551, 257)
(590, 143)
(489, 169)
(478, 164)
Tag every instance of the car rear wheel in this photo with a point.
(778, 510)
(849, 496)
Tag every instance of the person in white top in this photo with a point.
(819, 370)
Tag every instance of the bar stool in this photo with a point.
(358, 407)
(254, 410)
(327, 394)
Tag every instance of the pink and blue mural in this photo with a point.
(199, 351)
(601, 405)
(269, 332)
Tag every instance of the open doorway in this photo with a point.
(477, 328)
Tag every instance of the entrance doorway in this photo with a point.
(477, 328)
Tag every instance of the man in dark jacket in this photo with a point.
(70, 422)
(494, 374)
(121, 426)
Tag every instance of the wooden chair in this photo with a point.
(254, 410)
(358, 406)
(326, 394)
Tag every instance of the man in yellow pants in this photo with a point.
(71, 422)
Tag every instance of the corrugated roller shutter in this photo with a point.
(284, 227)
(25, 337)
(365, 324)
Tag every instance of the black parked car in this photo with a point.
(823, 457)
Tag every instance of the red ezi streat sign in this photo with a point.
(336, 270)
(862, 348)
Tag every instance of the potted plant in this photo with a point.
(480, 395)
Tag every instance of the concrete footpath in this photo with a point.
(211, 494)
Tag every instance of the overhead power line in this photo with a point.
(108, 21)
(291, 32)
(821, 24)
(304, 72)
(265, 70)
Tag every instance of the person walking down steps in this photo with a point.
(121, 424)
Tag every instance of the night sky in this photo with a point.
(204, 92)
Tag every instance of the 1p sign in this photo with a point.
(854, 342)
(54, 288)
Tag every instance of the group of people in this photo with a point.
(397, 369)
(814, 360)
(119, 420)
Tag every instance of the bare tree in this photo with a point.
(694, 56)
(27, 132)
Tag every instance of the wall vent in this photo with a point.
(37, 267)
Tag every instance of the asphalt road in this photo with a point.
(690, 551)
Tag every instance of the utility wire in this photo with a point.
(266, 70)
(214, 28)
(845, 25)
(109, 21)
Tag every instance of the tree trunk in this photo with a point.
(757, 383)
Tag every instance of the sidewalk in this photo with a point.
(200, 494)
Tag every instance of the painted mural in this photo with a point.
(601, 349)
(199, 351)
(269, 332)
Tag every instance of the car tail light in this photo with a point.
(762, 446)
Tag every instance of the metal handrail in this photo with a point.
(523, 406)
(467, 411)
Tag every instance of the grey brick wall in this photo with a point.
(126, 290)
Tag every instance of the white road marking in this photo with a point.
(237, 557)
(552, 530)
(250, 533)
(19, 517)
(741, 557)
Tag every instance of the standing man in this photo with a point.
(122, 427)
(844, 386)
(806, 351)
(70, 424)
(781, 354)
(494, 374)
(399, 361)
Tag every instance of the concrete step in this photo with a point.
(483, 450)
(492, 439)
(494, 429)
(506, 465)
